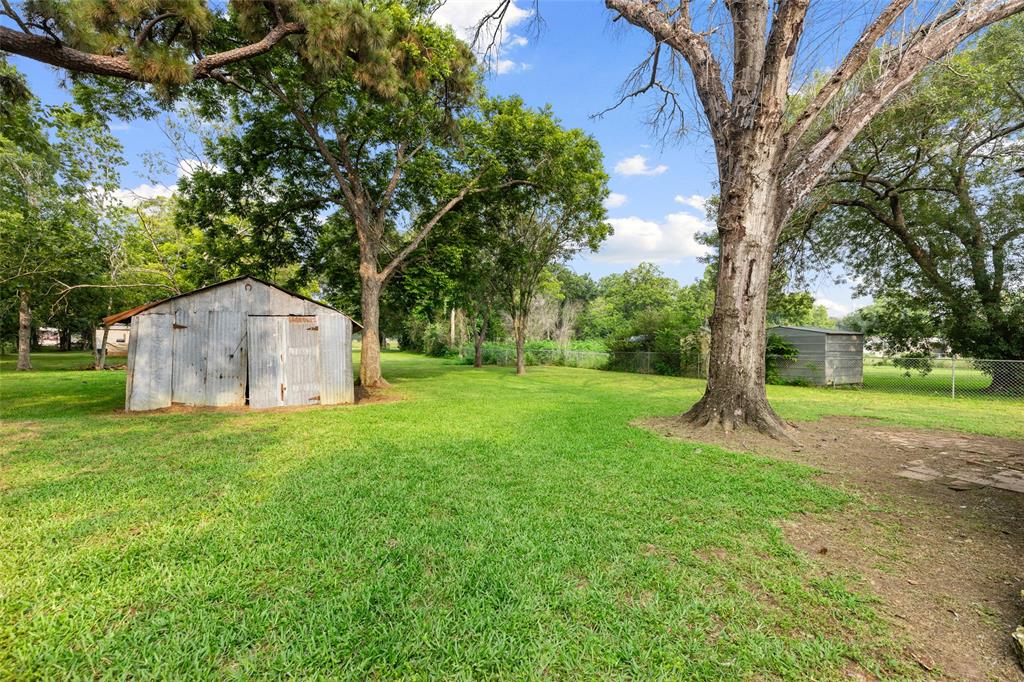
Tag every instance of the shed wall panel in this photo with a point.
(133, 348)
(152, 363)
(226, 366)
(336, 382)
(188, 345)
(267, 343)
(302, 361)
(273, 301)
(800, 368)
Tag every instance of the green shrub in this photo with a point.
(776, 350)
(915, 361)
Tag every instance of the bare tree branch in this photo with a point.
(855, 59)
(680, 36)
(935, 44)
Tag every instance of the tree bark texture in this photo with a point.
(24, 331)
(478, 344)
(520, 332)
(735, 394)
(369, 358)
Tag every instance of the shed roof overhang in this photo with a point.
(131, 312)
(819, 330)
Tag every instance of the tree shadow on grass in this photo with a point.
(487, 526)
(442, 537)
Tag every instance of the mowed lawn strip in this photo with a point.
(483, 525)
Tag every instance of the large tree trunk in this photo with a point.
(735, 394)
(24, 331)
(369, 359)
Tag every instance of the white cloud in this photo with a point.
(464, 16)
(133, 196)
(636, 239)
(637, 165)
(502, 66)
(144, 192)
(614, 200)
(188, 167)
(834, 308)
(695, 201)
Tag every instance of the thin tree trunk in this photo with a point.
(478, 344)
(519, 325)
(100, 350)
(24, 331)
(735, 394)
(451, 328)
(369, 360)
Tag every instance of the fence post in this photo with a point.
(953, 365)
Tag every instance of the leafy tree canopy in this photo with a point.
(926, 209)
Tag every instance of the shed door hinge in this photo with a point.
(179, 326)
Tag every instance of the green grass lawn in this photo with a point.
(484, 525)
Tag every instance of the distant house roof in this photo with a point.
(125, 314)
(820, 330)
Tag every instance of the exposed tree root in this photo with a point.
(739, 414)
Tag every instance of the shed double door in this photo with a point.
(284, 360)
(186, 358)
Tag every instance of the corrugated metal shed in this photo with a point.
(242, 341)
(827, 357)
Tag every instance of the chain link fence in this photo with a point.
(635, 362)
(950, 377)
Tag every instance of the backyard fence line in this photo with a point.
(957, 378)
(953, 377)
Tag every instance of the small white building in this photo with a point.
(117, 339)
(240, 342)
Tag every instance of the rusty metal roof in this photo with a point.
(131, 312)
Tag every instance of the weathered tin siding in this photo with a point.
(149, 365)
(201, 348)
(810, 363)
(845, 359)
(225, 358)
(826, 357)
(336, 385)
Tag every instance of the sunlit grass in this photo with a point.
(483, 525)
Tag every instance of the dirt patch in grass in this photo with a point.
(367, 396)
(938, 537)
(363, 397)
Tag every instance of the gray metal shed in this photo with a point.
(828, 357)
(240, 342)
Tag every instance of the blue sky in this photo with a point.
(576, 63)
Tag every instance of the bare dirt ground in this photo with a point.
(939, 537)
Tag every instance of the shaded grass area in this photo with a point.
(485, 525)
